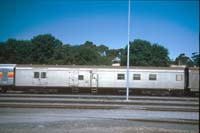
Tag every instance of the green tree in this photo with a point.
(2, 52)
(10, 51)
(182, 59)
(195, 57)
(87, 54)
(15, 51)
(159, 56)
(103, 57)
(46, 49)
(102, 49)
(143, 53)
(43, 47)
(23, 52)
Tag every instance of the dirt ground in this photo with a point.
(25, 120)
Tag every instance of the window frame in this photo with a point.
(179, 77)
(10, 74)
(136, 75)
(43, 75)
(80, 77)
(152, 78)
(36, 75)
(120, 76)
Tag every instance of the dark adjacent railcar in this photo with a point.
(193, 80)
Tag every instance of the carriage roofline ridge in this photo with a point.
(93, 66)
(96, 66)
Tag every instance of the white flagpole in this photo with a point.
(127, 70)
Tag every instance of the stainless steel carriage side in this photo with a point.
(53, 76)
(142, 78)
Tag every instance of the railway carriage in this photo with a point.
(53, 76)
(142, 77)
(6, 76)
(99, 77)
(193, 80)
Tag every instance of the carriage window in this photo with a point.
(152, 76)
(120, 76)
(80, 77)
(10, 75)
(136, 77)
(179, 77)
(43, 75)
(36, 74)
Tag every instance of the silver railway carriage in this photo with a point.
(99, 77)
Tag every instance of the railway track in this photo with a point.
(17, 110)
(183, 104)
(112, 97)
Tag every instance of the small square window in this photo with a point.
(80, 77)
(10, 75)
(152, 76)
(120, 76)
(136, 77)
(36, 74)
(43, 75)
(179, 77)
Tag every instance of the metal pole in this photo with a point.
(127, 69)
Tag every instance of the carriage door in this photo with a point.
(40, 78)
(43, 78)
(73, 78)
(94, 80)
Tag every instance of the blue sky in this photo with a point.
(173, 24)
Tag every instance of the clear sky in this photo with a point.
(173, 24)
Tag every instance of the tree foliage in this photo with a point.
(195, 58)
(14, 51)
(182, 59)
(43, 48)
(143, 53)
(46, 49)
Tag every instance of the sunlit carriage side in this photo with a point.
(173, 80)
(99, 77)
